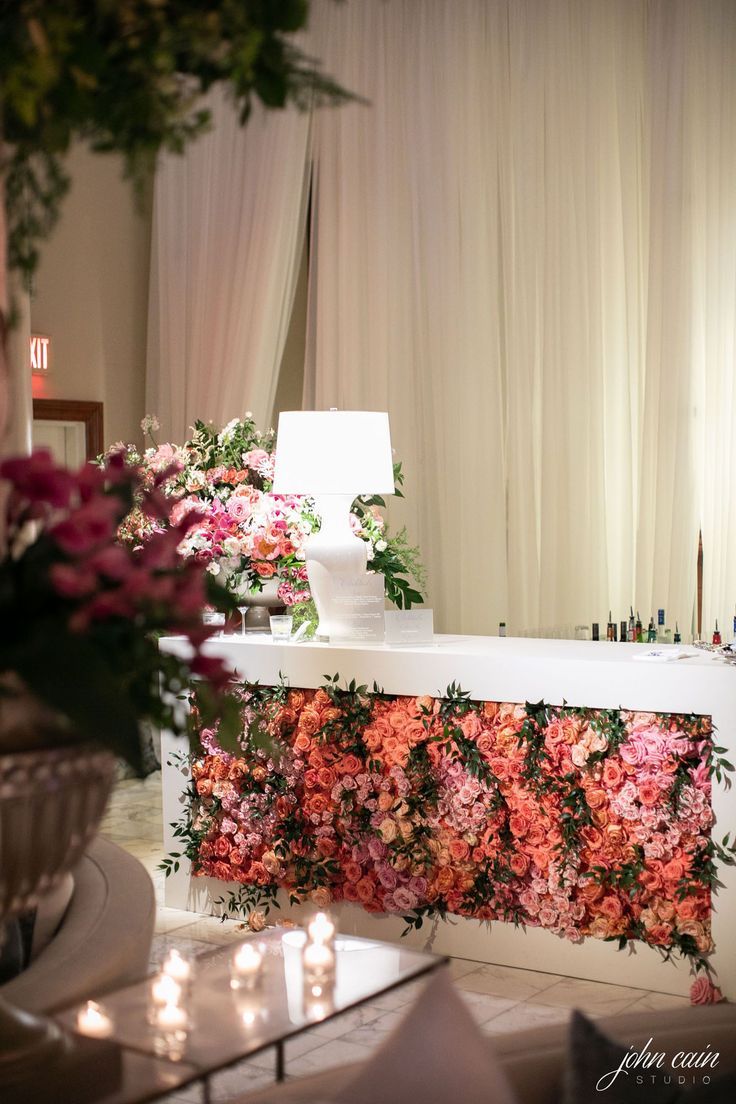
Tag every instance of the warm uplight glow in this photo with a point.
(321, 929)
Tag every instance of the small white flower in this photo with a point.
(213, 567)
(381, 546)
(150, 423)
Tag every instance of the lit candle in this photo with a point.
(319, 961)
(247, 965)
(171, 1018)
(321, 929)
(165, 990)
(93, 1021)
(177, 967)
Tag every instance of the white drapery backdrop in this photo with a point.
(228, 227)
(524, 250)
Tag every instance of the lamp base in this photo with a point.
(348, 599)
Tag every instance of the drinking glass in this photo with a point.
(281, 626)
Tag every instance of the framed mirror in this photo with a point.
(70, 428)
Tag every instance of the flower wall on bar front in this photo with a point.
(585, 822)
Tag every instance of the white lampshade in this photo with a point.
(323, 452)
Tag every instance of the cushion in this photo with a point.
(437, 1055)
(596, 1070)
(50, 913)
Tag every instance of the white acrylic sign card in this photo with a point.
(409, 627)
(357, 608)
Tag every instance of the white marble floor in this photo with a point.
(501, 999)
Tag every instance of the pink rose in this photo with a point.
(703, 991)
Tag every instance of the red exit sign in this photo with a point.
(40, 353)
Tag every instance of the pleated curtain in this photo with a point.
(228, 225)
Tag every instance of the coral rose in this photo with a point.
(613, 775)
(459, 850)
(596, 797)
(350, 764)
(610, 907)
(352, 871)
(326, 847)
(519, 863)
(385, 801)
(649, 792)
(365, 889)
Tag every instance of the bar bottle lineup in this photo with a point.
(633, 632)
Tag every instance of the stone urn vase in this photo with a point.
(52, 799)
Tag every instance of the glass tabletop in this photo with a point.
(224, 1018)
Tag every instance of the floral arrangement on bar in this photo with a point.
(81, 612)
(584, 822)
(245, 535)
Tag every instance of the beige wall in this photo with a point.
(91, 295)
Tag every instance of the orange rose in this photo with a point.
(326, 776)
(350, 764)
(352, 871)
(444, 880)
(518, 824)
(317, 803)
(326, 847)
(295, 700)
(204, 787)
(302, 742)
(309, 721)
(331, 714)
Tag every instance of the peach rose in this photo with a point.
(660, 934)
(257, 921)
(204, 787)
(596, 797)
(271, 862)
(350, 764)
(320, 897)
(385, 801)
(295, 700)
(388, 830)
(326, 776)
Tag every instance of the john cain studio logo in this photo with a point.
(652, 1067)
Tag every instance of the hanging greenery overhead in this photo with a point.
(128, 76)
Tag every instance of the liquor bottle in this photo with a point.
(610, 628)
(639, 629)
(651, 632)
(501, 628)
(631, 630)
(678, 638)
(596, 631)
(624, 633)
(717, 635)
(661, 630)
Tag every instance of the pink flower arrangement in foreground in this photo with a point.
(80, 612)
(583, 822)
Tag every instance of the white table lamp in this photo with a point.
(333, 456)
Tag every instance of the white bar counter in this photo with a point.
(598, 675)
